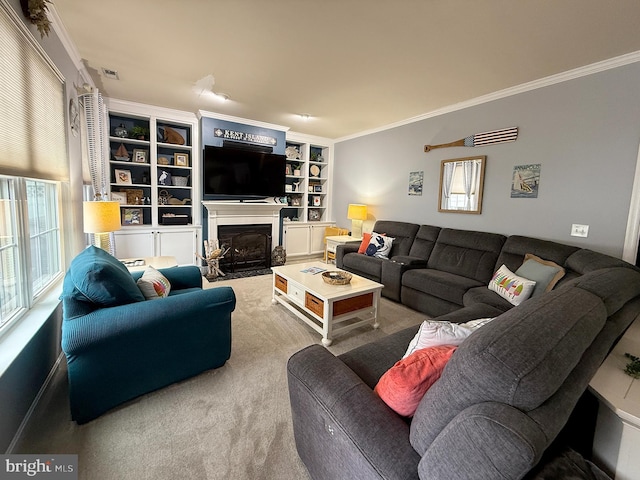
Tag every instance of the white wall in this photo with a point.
(584, 132)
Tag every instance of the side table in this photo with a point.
(617, 436)
(333, 242)
(138, 264)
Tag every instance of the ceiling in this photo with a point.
(353, 65)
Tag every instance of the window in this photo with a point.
(29, 243)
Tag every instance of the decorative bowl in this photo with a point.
(336, 278)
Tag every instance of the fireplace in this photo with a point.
(249, 247)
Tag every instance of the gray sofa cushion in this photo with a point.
(519, 359)
(484, 295)
(466, 253)
(424, 242)
(360, 264)
(516, 247)
(441, 284)
(403, 232)
(585, 260)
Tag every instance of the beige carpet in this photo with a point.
(230, 423)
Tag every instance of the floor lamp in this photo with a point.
(101, 218)
(356, 213)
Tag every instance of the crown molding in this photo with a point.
(68, 45)
(244, 121)
(587, 70)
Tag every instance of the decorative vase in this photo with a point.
(121, 131)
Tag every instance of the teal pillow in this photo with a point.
(102, 279)
(544, 272)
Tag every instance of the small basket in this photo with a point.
(179, 181)
(336, 278)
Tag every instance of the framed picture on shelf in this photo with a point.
(132, 216)
(287, 169)
(181, 159)
(134, 196)
(120, 197)
(316, 201)
(296, 201)
(140, 156)
(317, 188)
(314, 214)
(123, 177)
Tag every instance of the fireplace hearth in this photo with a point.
(249, 247)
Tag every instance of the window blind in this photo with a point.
(32, 118)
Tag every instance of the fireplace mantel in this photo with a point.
(243, 213)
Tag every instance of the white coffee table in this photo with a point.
(331, 310)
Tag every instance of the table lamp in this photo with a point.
(101, 218)
(356, 213)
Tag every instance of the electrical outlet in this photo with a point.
(578, 230)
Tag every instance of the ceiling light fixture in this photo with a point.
(305, 116)
(110, 73)
(222, 96)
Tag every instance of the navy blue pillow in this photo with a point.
(100, 278)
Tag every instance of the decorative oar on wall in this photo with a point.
(487, 138)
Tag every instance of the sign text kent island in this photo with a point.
(244, 137)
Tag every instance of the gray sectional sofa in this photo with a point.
(507, 391)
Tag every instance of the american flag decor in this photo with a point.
(487, 138)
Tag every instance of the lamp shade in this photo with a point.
(357, 212)
(101, 216)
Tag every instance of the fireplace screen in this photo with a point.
(249, 247)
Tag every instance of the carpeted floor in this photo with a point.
(230, 423)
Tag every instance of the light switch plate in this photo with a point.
(578, 230)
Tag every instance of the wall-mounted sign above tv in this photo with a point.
(242, 172)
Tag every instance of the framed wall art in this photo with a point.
(132, 216)
(123, 177)
(181, 159)
(120, 197)
(140, 156)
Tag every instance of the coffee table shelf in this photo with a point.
(330, 310)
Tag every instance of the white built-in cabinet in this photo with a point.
(304, 238)
(154, 168)
(308, 192)
(179, 242)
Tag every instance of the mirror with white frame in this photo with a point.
(461, 183)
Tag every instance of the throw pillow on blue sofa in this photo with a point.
(100, 278)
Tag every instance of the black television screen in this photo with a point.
(239, 172)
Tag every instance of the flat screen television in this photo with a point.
(242, 173)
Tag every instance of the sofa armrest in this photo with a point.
(393, 270)
(342, 250)
(341, 428)
(188, 276)
(486, 440)
(166, 317)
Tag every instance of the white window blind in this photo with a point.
(32, 118)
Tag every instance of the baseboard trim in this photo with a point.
(34, 404)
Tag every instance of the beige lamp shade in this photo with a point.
(101, 217)
(357, 212)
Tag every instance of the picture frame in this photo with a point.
(123, 177)
(120, 197)
(140, 156)
(317, 188)
(134, 196)
(314, 214)
(132, 216)
(287, 169)
(164, 178)
(296, 201)
(316, 201)
(181, 159)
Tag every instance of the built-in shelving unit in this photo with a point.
(153, 163)
(307, 181)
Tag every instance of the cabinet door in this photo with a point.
(181, 244)
(131, 244)
(296, 239)
(317, 238)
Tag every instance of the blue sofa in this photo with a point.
(119, 346)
